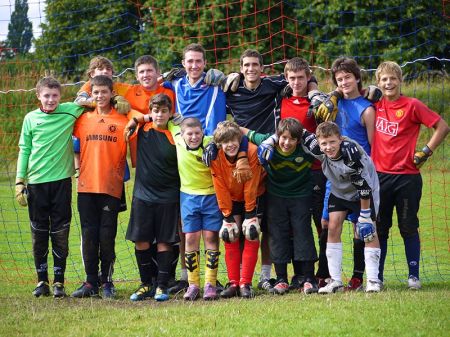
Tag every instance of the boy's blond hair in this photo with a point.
(48, 82)
(389, 67)
(160, 100)
(327, 129)
(190, 122)
(292, 125)
(227, 131)
(347, 65)
(102, 80)
(99, 62)
(146, 59)
(251, 53)
(297, 64)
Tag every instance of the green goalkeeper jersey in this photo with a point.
(46, 150)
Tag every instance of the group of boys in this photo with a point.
(367, 157)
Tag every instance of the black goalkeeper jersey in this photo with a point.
(257, 109)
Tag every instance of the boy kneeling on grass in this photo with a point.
(354, 189)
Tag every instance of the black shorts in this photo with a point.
(319, 187)
(151, 222)
(402, 191)
(336, 204)
(98, 210)
(50, 204)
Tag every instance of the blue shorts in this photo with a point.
(200, 212)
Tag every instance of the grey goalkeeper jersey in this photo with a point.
(350, 180)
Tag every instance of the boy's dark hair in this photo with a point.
(327, 129)
(99, 62)
(102, 80)
(160, 100)
(251, 53)
(227, 131)
(296, 64)
(347, 65)
(146, 59)
(194, 47)
(292, 125)
(190, 122)
(48, 82)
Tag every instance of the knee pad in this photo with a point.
(192, 259)
(407, 231)
(212, 258)
(60, 242)
(40, 242)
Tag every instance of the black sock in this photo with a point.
(144, 261)
(297, 266)
(175, 257)
(164, 264)
(281, 271)
(308, 269)
(358, 258)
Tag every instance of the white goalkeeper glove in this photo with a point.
(21, 193)
(364, 227)
(250, 226)
(232, 82)
(173, 74)
(215, 78)
(229, 232)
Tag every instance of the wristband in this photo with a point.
(427, 151)
(146, 118)
(135, 120)
(251, 214)
(20, 183)
(229, 219)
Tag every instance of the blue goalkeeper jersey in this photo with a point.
(207, 103)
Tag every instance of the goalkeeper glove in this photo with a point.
(328, 110)
(266, 149)
(215, 77)
(350, 152)
(364, 227)
(87, 103)
(120, 104)
(130, 128)
(21, 193)
(250, 226)
(232, 82)
(229, 232)
(420, 157)
(173, 74)
(177, 119)
(286, 92)
(242, 173)
(372, 93)
(209, 154)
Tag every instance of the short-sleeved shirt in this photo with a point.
(298, 108)
(157, 178)
(397, 129)
(288, 175)
(229, 190)
(349, 120)
(46, 150)
(206, 103)
(257, 109)
(195, 177)
(103, 152)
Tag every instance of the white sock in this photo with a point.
(334, 256)
(265, 272)
(372, 260)
(184, 274)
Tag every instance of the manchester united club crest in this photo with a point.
(399, 113)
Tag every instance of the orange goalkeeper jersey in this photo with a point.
(103, 152)
(229, 190)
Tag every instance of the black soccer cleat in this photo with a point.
(42, 289)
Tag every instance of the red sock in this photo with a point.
(233, 261)
(249, 259)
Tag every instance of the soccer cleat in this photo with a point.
(179, 286)
(210, 292)
(373, 286)
(310, 286)
(58, 290)
(109, 291)
(144, 291)
(355, 284)
(85, 290)
(280, 288)
(297, 282)
(414, 283)
(322, 282)
(246, 291)
(266, 284)
(332, 287)
(42, 289)
(172, 282)
(219, 287)
(192, 293)
(161, 294)
(231, 290)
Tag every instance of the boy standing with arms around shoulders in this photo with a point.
(354, 189)
(45, 164)
(398, 121)
(155, 207)
(100, 185)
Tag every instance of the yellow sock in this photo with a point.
(193, 268)
(212, 265)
